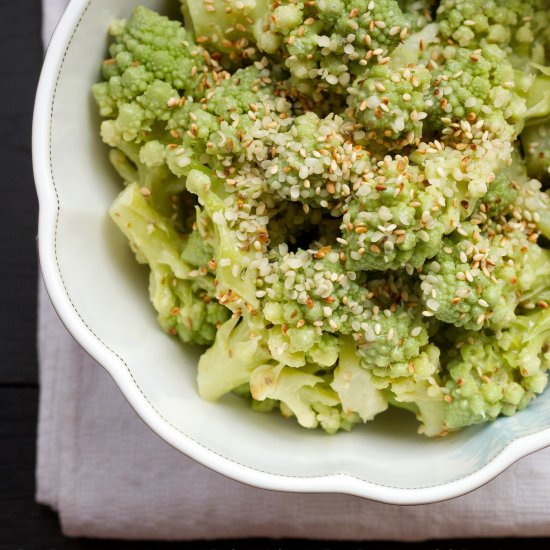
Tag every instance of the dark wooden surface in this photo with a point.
(23, 523)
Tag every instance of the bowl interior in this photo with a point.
(109, 291)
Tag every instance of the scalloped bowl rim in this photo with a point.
(115, 366)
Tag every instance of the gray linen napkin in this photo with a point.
(108, 475)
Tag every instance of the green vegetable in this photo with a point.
(323, 43)
(303, 395)
(343, 200)
(355, 385)
(390, 104)
(470, 282)
(236, 352)
(181, 299)
(153, 62)
(469, 85)
(536, 144)
(493, 375)
(520, 26)
(236, 280)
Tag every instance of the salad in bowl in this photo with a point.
(340, 201)
(341, 216)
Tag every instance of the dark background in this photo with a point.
(23, 523)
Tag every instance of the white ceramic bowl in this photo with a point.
(101, 295)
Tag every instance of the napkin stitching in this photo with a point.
(130, 372)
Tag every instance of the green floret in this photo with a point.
(311, 291)
(471, 85)
(301, 344)
(518, 28)
(185, 308)
(532, 207)
(235, 124)
(355, 385)
(180, 296)
(312, 287)
(241, 91)
(405, 206)
(236, 279)
(399, 215)
(315, 162)
(470, 282)
(487, 267)
(302, 394)
(514, 24)
(390, 329)
(336, 39)
(190, 130)
(390, 103)
(239, 348)
(467, 160)
(489, 376)
(391, 221)
(536, 145)
(389, 340)
(323, 43)
(144, 165)
(503, 191)
(501, 194)
(153, 63)
(237, 30)
(162, 46)
(276, 374)
(416, 386)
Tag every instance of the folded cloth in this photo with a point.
(108, 475)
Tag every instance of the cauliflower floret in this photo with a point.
(391, 337)
(488, 375)
(396, 218)
(153, 61)
(416, 386)
(183, 301)
(472, 85)
(390, 103)
(236, 123)
(313, 287)
(302, 394)
(472, 281)
(536, 144)
(338, 37)
(315, 161)
(514, 24)
(502, 192)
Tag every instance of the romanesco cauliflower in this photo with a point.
(339, 198)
